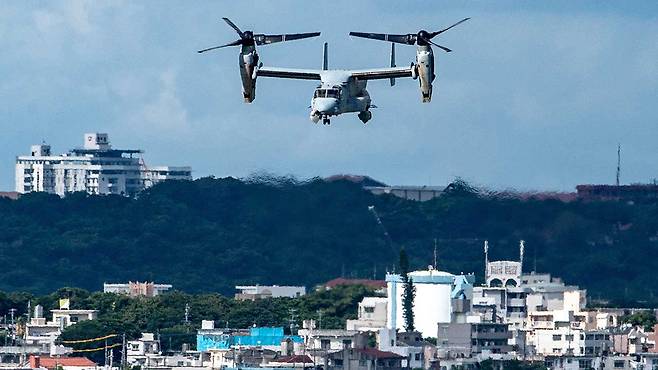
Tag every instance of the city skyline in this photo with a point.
(534, 96)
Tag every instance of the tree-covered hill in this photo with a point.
(211, 234)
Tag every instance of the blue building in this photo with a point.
(207, 339)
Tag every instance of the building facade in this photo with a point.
(137, 289)
(96, 168)
(253, 292)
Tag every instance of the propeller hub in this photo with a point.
(423, 38)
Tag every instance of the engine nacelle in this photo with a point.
(425, 70)
(414, 71)
(249, 64)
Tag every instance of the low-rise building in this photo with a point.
(253, 292)
(363, 359)
(43, 333)
(371, 315)
(209, 338)
(468, 339)
(590, 362)
(63, 363)
(136, 289)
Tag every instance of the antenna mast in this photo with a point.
(435, 257)
(618, 162)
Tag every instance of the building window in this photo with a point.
(557, 337)
(620, 364)
(584, 364)
(369, 309)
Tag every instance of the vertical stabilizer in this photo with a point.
(392, 62)
(325, 58)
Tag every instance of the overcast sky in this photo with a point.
(535, 96)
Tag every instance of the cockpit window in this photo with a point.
(332, 93)
(327, 93)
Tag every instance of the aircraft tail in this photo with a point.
(325, 58)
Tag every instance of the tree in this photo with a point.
(409, 292)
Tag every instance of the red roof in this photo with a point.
(376, 284)
(374, 352)
(53, 362)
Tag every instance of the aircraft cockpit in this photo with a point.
(327, 93)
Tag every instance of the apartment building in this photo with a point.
(96, 168)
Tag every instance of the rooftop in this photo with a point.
(54, 362)
(374, 352)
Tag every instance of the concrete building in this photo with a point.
(253, 292)
(95, 168)
(433, 303)
(364, 359)
(42, 333)
(371, 315)
(137, 289)
(456, 340)
(590, 362)
(417, 193)
(270, 338)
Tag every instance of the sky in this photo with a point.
(535, 95)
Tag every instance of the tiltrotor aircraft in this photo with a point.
(340, 91)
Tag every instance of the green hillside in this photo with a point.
(211, 234)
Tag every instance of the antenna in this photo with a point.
(618, 162)
(435, 256)
(521, 250)
(486, 259)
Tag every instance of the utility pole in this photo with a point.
(123, 351)
(319, 319)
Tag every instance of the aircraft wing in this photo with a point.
(299, 74)
(382, 73)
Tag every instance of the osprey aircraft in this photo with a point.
(339, 91)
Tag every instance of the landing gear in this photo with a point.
(326, 121)
(365, 116)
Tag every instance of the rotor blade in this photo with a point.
(445, 29)
(409, 39)
(438, 46)
(234, 43)
(262, 39)
(234, 27)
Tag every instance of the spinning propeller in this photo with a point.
(248, 38)
(421, 38)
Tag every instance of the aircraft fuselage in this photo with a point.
(340, 93)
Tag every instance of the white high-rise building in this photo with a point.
(96, 168)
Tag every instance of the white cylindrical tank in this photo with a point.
(432, 304)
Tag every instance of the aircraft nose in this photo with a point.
(326, 105)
